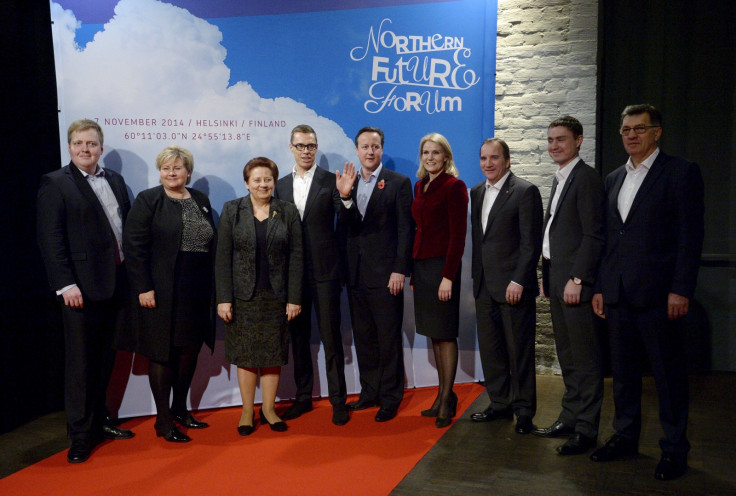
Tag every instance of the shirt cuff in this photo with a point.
(65, 289)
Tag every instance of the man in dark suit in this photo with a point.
(571, 248)
(375, 214)
(506, 220)
(81, 211)
(315, 195)
(647, 277)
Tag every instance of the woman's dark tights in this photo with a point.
(445, 355)
(176, 375)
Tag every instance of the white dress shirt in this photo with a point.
(301, 188)
(632, 182)
(561, 175)
(489, 198)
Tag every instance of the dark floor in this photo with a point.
(491, 459)
(32, 442)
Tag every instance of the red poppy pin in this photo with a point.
(381, 184)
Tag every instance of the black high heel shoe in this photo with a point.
(172, 434)
(445, 421)
(431, 412)
(187, 420)
(279, 426)
(247, 430)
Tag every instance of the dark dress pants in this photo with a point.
(506, 344)
(633, 332)
(89, 360)
(377, 316)
(579, 353)
(325, 296)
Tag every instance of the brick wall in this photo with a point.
(545, 68)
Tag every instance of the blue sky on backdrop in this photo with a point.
(302, 51)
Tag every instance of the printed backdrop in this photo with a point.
(230, 79)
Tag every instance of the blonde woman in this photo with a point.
(169, 241)
(440, 211)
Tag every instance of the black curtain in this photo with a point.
(680, 56)
(31, 349)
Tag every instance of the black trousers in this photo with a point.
(377, 316)
(89, 360)
(579, 353)
(506, 345)
(634, 332)
(325, 297)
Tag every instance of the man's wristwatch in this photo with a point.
(576, 280)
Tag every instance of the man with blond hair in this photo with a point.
(81, 212)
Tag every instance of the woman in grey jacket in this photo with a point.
(258, 273)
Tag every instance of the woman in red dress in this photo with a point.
(440, 210)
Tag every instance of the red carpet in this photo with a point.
(314, 457)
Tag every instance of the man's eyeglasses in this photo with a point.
(301, 146)
(637, 129)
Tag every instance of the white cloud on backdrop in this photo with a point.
(157, 61)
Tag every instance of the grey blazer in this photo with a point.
(510, 247)
(576, 235)
(235, 262)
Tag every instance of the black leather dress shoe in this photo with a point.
(297, 409)
(112, 431)
(558, 429)
(187, 420)
(670, 467)
(490, 414)
(524, 424)
(385, 414)
(79, 451)
(361, 404)
(616, 447)
(576, 444)
(173, 435)
(340, 415)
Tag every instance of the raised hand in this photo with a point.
(344, 181)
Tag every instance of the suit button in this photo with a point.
(621, 231)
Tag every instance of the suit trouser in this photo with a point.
(506, 344)
(377, 316)
(635, 331)
(325, 296)
(89, 360)
(579, 353)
